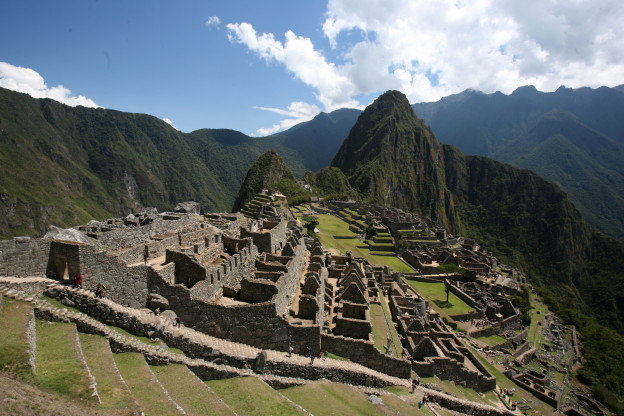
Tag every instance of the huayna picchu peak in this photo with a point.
(393, 159)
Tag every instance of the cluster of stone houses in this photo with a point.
(264, 283)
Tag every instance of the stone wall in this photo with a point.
(124, 285)
(450, 369)
(21, 257)
(269, 240)
(365, 353)
(254, 324)
(119, 238)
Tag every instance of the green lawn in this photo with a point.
(330, 225)
(58, 362)
(113, 392)
(435, 294)
(189, 391)
(14, 346)
(339, 399)
(144, 385)
(324, 398)
(491, 340)
(250, 396)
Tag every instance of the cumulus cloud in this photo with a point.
(431, 49)
(28, 81)
(213, 21)
(297, 112)
(168, 121)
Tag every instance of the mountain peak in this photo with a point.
(393, 158)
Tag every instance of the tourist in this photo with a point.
(79, 281)
(99, 291)
(325, 355)
(290, 350)
(176, 321)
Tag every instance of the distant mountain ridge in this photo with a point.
(573, 137)
(496, 125)
(66, 165)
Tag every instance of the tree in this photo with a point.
(310, 222)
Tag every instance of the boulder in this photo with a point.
(157, 301)
(260, 363)
(68, 302)
(69, 234)
(169, 315)
(188, 207)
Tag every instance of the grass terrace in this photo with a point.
(111, 388)
(251, 396)
(144, 385)
(331, 226)
(434, 292)
(14, 345)
(189, 391)
(383, 328)
(59, 364)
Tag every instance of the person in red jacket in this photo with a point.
(79, 281)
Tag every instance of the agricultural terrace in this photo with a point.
(331, 227)
(435, 293)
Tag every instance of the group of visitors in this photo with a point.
(310, 354)
(415, 383)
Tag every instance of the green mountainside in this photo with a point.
(318, 140)
(64, 166)
(573, 137)
(588, 165)
(330, 183)
(269, 171)
(391, 158)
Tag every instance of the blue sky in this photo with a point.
(259, 67)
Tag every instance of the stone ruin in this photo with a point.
(260, 282)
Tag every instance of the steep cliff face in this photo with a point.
(392, 158)
(514, 208)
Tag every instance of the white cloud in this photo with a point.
(213, 21)
(30, 82)
(431, 49)
(298, 112)
(334, 89)
(168, 121)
